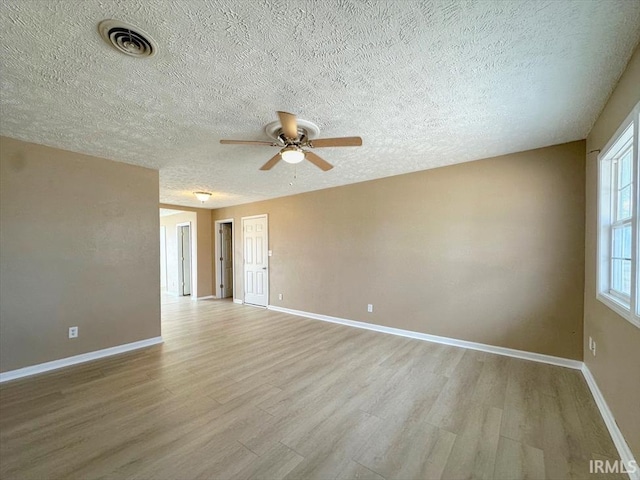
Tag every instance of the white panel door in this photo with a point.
(256, 261)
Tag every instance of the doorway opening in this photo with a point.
(224, 258)
(178, 255)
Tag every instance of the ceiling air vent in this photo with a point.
(127, 39)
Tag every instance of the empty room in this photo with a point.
(299, 239)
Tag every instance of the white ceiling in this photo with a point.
(424, 83)
(165, 212)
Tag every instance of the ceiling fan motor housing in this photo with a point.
(308, 129)
(302, 138)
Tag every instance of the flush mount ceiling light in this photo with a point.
(202, 196)
(292, 154)
(127, 38)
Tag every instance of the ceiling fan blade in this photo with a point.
(317, 161)
(336, 142)
(289, 125)
(247, 142)
(271, 163)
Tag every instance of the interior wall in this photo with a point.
(490, 251)
(79, 238)
(204, 248)
(170, 222)
(616, 366)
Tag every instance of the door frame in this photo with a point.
(192, 284)
(267, 290)
(218, 251)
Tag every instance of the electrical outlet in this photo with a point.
(593, 348)
(279, 296)
(590, 343)
(369, 308)
(73, 332)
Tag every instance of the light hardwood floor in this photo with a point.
(241, 392)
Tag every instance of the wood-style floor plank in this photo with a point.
(244, 393)
(518, 460)
(474, 450)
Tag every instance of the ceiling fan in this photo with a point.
(293, 141)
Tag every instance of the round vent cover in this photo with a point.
(127, 39)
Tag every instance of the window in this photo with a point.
(618, 237)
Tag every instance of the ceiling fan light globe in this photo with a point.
(292, 156)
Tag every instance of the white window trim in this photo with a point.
(627, 311)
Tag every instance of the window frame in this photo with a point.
(607, 198)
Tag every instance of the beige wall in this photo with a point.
(170, 222)
(204, 248)
(79, 240)
(616, 367)
(490, 251)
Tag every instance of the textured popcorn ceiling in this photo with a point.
(165, 212)
(424, 83)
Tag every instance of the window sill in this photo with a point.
(620, 308)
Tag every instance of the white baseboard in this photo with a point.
(616, 435)
(237, 300)
(85, 357)
(536, 357)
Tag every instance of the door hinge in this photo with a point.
(221, 259)
(221, 286)
(220, 231)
